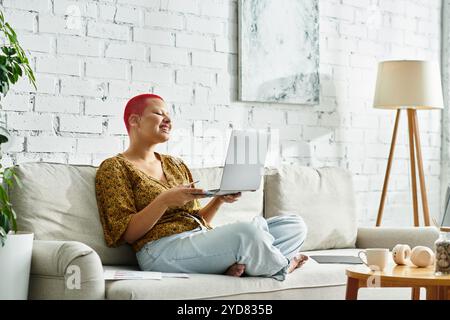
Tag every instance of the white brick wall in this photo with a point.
(194, 41)
(50, 144)
(164, 20)
(186, 50)
(29, 121)
(57, 104)
(143, 73)
(155, 37)
(108, 30)
(49, 23)
(78, 46)
(85, 124)
(29, 5)
(17, 102)
(68, 66)
(445, 173)
(99, 68)
(169, 55)
(38, 43)
(110, 107)
(126, 51)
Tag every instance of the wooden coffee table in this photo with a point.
(360, 276)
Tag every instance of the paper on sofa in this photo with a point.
(140, 275)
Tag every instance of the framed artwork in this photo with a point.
(279, 51)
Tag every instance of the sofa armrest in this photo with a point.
(388, 237)
(65, 270)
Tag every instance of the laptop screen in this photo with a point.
(244, 164)
(247, 147)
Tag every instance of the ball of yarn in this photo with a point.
(401, 253)
(422, 256)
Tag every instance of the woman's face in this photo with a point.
(155, 124)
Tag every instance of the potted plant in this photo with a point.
(15, 247)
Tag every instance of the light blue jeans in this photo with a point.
(264, 246)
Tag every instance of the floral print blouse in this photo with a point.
(122, 190)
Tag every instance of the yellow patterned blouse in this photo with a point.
(122, 190)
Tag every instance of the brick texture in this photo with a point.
(88, 65)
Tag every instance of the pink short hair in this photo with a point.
(135, 106)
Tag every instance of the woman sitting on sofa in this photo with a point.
(149, 200)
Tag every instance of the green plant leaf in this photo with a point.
(8, 173)
(14, 63)
(10, 76)
(14, 220)
(13, 52)
(3, 197)
(3, 139)
(5, 219)
(2, 232)
(3, 236)
(19, 71)
(9, 183)
(5, 87)
(5, 50)
(13, 33)
(10, 38)
(7, 212)
(15, 77)
(19, 183)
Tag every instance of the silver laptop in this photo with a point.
(244, 164)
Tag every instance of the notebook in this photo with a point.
(337, 259)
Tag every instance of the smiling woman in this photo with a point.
(145, 105)
(149, 201)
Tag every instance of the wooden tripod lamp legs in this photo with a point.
(415, 152)
(412, 159)
(388, 170)
(423, 190)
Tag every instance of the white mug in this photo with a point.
(377, 259)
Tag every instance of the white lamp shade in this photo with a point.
(408, 84)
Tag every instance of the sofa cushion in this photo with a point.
(198, 286)
(323, 197)
(249, 205)
(57, 202)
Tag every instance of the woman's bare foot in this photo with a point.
(297, 262)
(236, 270)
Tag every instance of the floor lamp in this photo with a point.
(411, 85)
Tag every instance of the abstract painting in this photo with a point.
(279, 51)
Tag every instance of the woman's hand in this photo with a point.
(180, 195)
(229, 198)
(209, 211)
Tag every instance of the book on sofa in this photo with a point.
(337, 259)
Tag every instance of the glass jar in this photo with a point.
(442, 249)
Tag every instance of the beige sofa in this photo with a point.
(58, 204)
